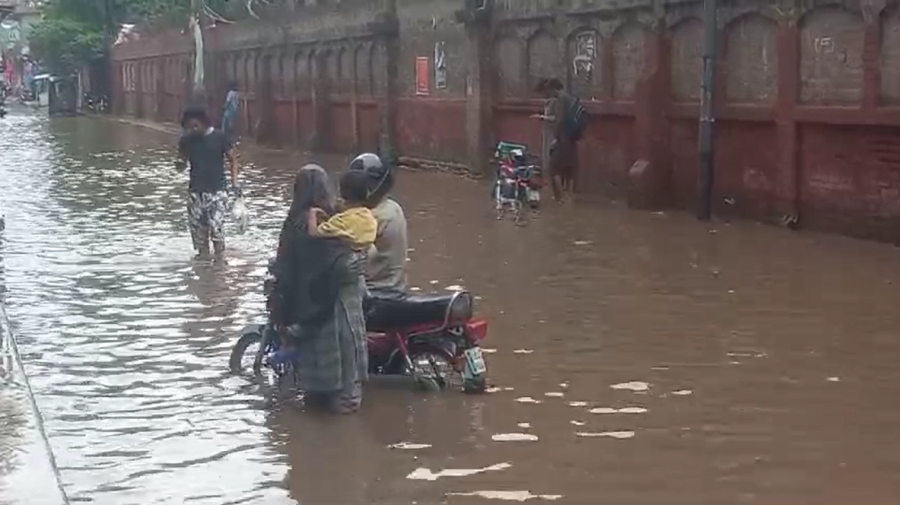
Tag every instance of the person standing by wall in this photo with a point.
(567, 120)
(548, 121)
(206, 149)
(230, 110)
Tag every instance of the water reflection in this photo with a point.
(708, 359)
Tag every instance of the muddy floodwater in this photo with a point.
(636, 358)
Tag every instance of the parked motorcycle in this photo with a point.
(434, 339)
(95, 103)
(518, 180)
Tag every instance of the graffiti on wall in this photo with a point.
(440, 66)
(585, 54)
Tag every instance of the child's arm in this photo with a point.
(312, 221)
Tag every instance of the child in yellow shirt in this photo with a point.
(356, 224)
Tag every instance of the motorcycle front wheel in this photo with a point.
(247, 356)
(240, 358)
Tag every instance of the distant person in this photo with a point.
(548, 132)
(230, 110)
(206, 150)
(569, 120)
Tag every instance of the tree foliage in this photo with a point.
(63, 44)
(74, 32)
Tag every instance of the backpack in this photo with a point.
(576, 120)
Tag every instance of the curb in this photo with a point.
(160, 127)
(28, 472)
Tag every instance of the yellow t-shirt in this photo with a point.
(357, 226)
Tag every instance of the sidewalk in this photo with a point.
(28, 473)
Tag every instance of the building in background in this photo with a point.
(16, 18)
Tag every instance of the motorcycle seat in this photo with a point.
(386, 313)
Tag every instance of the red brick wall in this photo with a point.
(807, 100)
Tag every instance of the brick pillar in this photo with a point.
(788, 184)
(295, 93)
(244, 79)
(387, 31)
(141, 88)
(607, 69)
(650, 178)
(264, 98)
(871, 64)
(477, 54)
(117, 91)
(354, 97)
(160, 94)
(320, 140)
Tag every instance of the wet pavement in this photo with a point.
(638, 358)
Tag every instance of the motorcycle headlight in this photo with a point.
(461, 309)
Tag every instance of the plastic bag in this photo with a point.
(240, 214)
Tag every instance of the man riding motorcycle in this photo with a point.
(386, 269)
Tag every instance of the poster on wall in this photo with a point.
(440, 66)
(423, 84)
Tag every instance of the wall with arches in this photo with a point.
(807, 102)
(806, 98)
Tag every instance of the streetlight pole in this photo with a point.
(705, 182)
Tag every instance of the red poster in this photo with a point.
(423, 70)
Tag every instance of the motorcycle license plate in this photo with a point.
(534, 196)
(475, 361)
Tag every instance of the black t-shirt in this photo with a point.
(206, 155)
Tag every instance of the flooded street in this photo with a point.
(638, 358)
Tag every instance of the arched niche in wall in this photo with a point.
(583, 59)
(543, 60)
(751, 59)
(831, 47)
(509, 63)
(687, 60)
(629, 45)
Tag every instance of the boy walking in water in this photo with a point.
(206, 150)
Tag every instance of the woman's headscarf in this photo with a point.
(311, 189)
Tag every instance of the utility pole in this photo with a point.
(710, 48)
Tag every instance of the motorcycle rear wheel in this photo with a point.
(433, 370)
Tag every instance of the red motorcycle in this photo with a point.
(517, 181)
(435, 339)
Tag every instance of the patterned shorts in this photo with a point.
(207, 210)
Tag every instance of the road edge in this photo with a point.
(33, 475)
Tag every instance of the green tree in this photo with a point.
(72, 33)
(63, 44)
